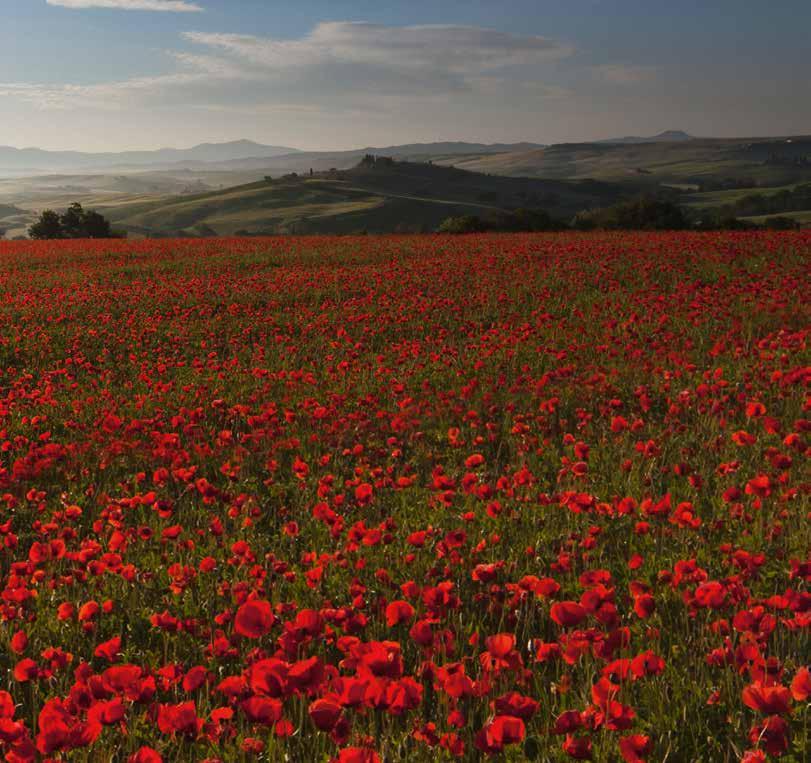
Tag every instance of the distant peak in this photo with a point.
(675, 134)
(241, 142)
(668, 136)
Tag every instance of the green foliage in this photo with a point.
(720, 221)
(515, 221)
(644, 213)
(370, 160)
(211, 442)
(463, 224)
(780, 223)
(48, 226)
(404, 197)
(76, 222)
(785, 200)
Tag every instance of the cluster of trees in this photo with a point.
(645, 213)
(370, 160)
(786, 200)
(76, 222)
(516, 221)
(720, 221)
(789, 161)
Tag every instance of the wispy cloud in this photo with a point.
(177, 6)
(457, 49)
(108, 95)
(624, 74)
(335, 63)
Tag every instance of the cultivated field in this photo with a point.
(406, 499)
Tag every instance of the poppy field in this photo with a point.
(377, 499)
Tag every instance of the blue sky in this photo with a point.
(340, 74)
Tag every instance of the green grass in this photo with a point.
(655, 163)
(803, 216)
(721, 198)
(405, 197)
(6, 210)
(521, 402)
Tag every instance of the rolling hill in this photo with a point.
(668, 136)
(699, 162)
(35, 160)
(7, 210)
(385, 197)
(428, 183)
(235, 155)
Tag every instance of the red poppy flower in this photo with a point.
(363, 493)
(254, 619)
(356, 755)
(500, 645)
(19, 642)
(56, 727)
(325, 712)
(264, 710)
(634, 748)
(145, 755)
(516, 704)
(801, 685)
(567, 614)
(88, 611)
(109, 650)
(771, 734)
(769, 700)
(398, 612)
(502, 731)
(195, 678)
(25, 670)
(179, 719)
(644, 605)
(578, 748)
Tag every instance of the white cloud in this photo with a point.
(455, 49)
(624, 74)
(335, 64)
(177, 6)
(422, 80)
(108, 95)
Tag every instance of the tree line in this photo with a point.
(643, 213)
(75, 222)
(794, 199)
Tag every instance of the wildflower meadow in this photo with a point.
(375, 499)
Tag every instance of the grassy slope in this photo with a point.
(403, 197)
(765, 165)
(803, 216)
(7, 209)
(412, 196)
(654, 163)
(721, 198)
(12, 220)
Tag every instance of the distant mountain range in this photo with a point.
(240, 153)
(665, 157)
(36, 159)
(451, 147)
(246, 154)
(668, 136)
(234, 189)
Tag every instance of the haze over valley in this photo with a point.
(211, 189)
